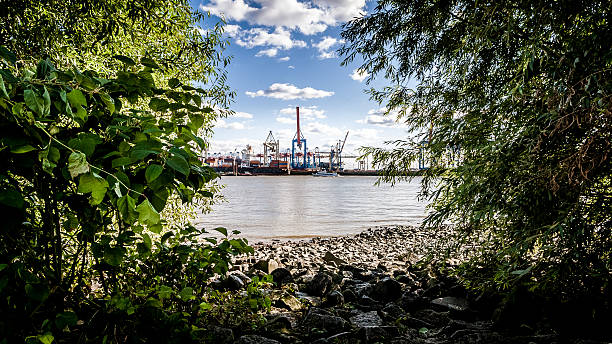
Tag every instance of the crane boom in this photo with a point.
(343, 142)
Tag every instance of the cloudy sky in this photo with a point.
(285, 56)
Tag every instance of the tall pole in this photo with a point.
(297, 110)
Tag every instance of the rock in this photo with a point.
(321, 320)
(366, 319)
(281, 276)
(330, 258)
(372, 334)
(410, 302)
(266, 266)
(255, 339)
(437, 319)
(335, 298)
(366, 302)
(246, 279)
(234, 282)
(278, 322)
(349, 295)
(387, 289)
(217, 284)
(405, 279)
(319, 285)
(363, 289)
(222, 335)
(451, 303)
(305, 298)
(289, 301)
(391, 311)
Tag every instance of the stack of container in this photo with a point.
(274, 163)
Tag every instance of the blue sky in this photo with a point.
(284, 55)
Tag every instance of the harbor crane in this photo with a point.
(271, 148)
(335, 154)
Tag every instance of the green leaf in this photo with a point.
(186, 293)
(97, 186)
(174, 83)
(38, 292)
(33, 101)
(146, 239)
(114, 255)
(221, 230)
(108, 101)
(12, 198)
(145, 61)
(164, 292)
(205, 306)
(22, 149)
(7, 55)
(77, 164)
(128, 61)
(46, 338)
(123, 161)
(152, 172)
(147, 215)
(85, 142)
(46, 109)
(127, 209)
(423, 330)
(64, 319)
(179, 164)
(77, 100)
(3, 92)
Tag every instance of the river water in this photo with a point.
(296, 207)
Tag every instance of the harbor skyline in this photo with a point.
(285, 56)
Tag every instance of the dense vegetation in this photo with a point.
(95, 147)
(522, 91)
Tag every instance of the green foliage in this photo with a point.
(256, 298)
(84, 178)
(523, 91)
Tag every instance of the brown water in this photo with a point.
(295, 207)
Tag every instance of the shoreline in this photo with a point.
(371, 288)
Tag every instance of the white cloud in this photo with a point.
(285, 120)
(307, 17)
(289, 91)
(239, 114)
(325, 45)
(306, 112)
(291, 67)
(359, 75)
(379, 118)
(280, 38)
(284, 59)
(267, 52)
(220, 123)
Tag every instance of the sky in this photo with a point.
(284, 55)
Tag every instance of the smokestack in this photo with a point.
(297, 110)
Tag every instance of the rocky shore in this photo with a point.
(369, 288)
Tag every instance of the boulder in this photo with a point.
(451, 303)
(387, 289)
(255, 339)
(330, 258)
(319, 285)
(289, 301)
(372, 334)
(335, 298)
(321, 320)
(281, 276)
(265, 265)
(234, 282)
(366, 319)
